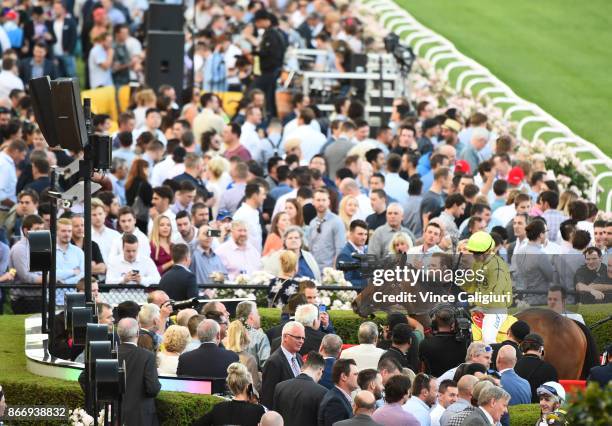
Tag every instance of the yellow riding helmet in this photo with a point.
(480, 242)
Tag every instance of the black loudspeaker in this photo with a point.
(165, 59)
(110, 380)
(40, 250)
(165, 17)
(101, 152)
(69, 116)
(40, 88)
(80, 318)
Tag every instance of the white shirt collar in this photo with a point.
(489, 418)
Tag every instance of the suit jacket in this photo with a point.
(326, 379)
(298, 400)
(69, 35)
(209, 361)
(334, 408)
(312, 342)
(28, 35)
(355, 277)
(276, 370)
(179, 283)
(25, 69)
(601, 374)
(476, 418)
(517, 387)
(142, 385)
(358, 420)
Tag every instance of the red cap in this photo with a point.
(462, 166)
(516, 176)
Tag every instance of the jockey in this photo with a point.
(490, 285)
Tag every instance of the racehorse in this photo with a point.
(569, 346)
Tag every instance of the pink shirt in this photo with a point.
(237, 259)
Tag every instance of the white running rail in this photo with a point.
(398, 20)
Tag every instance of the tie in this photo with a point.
(294, 366)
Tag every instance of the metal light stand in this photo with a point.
(85, 168)
(53, 271)
(381, 92)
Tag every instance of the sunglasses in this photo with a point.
(297, 337)
(319, 223)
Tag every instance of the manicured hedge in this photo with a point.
(23, 388)
(347, 323)
(524, 415)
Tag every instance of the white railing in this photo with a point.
(396, 19)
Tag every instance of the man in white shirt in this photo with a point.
(424, 394)
(127, 223)
(100, 61)
(249, 138)
(188, 234)
(447, 395)
(9, 78)
(431, 238)
(162, 198)
(101, 234)
(209, 118)
(311, 140)
(152, 123)
(254, 196)
(366, 354)
(10, 158)
(129, 269)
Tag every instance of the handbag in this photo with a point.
(141, 211)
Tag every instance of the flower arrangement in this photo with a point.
(333, 276)
(80, 417)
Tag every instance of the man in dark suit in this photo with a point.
(516, 334)
(515, 385)
(336, 404)
(308, 316)
(284, 363)
(365, 405)
(297, 400)
(179, 282)
(37, 65)
(288, 314)
(330, 349)
(603, 373)
(142, 384)
(357, 237)
(492, 405)
(209, 360)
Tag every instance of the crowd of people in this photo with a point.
(300, 373)
(198, 195)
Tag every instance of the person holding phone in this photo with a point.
(204, 261)
(129, 269)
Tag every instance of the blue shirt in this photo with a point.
(67, 261)
(303, 269)
(418, 409)
(397, 188)
(203, 264)
(8, 179)
(280, 190)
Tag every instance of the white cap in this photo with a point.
(552, 388)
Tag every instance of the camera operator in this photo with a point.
(442, 351)
(358, 235)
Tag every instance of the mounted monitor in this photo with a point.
(68, 113)
(40, 88)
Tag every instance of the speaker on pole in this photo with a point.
(165, 59)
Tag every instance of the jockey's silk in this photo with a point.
(494, 328)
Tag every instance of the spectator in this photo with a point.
(161, 201)
(371, 380)
(423, 397)
(327, 236)
(161, 247)
(381, 238)
(434, 199)
(127, 224)
(100, 61)
(454, 207)
(516, 333)
(175, 339)
(518, 388)
(532, 367)
(188, 233)
(271, 418)
(602, 374)
(209, 360)
(447, 395)
(336, 152)
(179, 282)
(259, 345)
(465, 388)
(402, 339)
(70, 259)
(549, 201)
(129, 269)
(10, 159)
(279, 225)
(366, 354)
(477, 352)
(358, 235)
(556, 300)
(184, 197)
(204, 261)
(232, 196)
(238, 341)
(192, 325)
(336, 404)
(397, 392)
(248, 213)
(378, 202)
(492, 405)
(593, 270)
(238, 254)
(330, 348)
(241, 409)
(9, 78)
(364, 407)
(142, 384)
(388, 367)
(100, 233)
(298, 399)
(395, 186)
(78, 236)
(284, 363)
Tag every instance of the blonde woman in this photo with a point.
(238, 341)
(293, 239)
(566, 198)
(242, 409)
(145, 99)
(400, 243)
(283, 286)
(160, 243)
(176, 338)
(279, 225)
(218, 178)
(349, 206)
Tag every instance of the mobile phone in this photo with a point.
(214, 233)
(13, 271)
(135, 271)
(322, 308)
